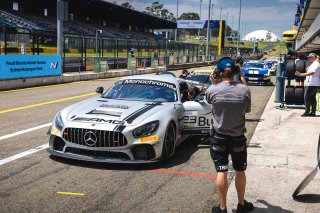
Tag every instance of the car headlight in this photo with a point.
(58, 122)
(146, 129)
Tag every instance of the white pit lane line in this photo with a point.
(28, 152)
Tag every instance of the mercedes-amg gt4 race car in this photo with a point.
(138, 119)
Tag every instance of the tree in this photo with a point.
(127, 5)
(268, 36)
(156, 9)
(189, 16)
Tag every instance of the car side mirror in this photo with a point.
(99, 90)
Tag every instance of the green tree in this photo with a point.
(156, 9)
(127, 5)
(268, 36)
(189, 16)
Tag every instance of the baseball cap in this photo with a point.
(312, 55)
(224, 63)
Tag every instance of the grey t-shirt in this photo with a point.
(230, 102)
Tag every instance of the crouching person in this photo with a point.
(230, 102)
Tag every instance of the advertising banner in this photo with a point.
(24, 66)
(197, 24)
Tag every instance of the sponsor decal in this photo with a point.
(192, 121)
(148, 139)
(97, 120)
(54, 65)
(55, 131)
(148, 82)
(118, 106)
(227, 98)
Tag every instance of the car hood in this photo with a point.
(110, 111)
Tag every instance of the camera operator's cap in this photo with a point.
(224, 63)
(312, 55)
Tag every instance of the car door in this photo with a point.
(197, 117)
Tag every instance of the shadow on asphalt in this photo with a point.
(307, 198)
(254, 120)
(269, 208)
(183, 154)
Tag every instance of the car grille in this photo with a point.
(255, 75)
(94, 138)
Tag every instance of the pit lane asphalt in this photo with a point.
(32, 183)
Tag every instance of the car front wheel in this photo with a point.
(169, 142)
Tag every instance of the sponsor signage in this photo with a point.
(197, 24)
(24, 66)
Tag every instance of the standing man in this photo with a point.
(239, 76)
(230, 102)
(313, 84)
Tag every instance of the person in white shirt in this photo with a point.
(313, 84)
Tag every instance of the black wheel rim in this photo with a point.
(170, 141)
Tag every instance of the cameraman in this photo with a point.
(230, 102)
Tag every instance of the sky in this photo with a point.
(272, 15)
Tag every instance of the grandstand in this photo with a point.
(33, 24)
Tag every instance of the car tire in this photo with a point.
(169, 143)
(290, 68)
(301, 66)
(289, 96)
(299, 94)
(308, 63)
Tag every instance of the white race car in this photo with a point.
(139, 119)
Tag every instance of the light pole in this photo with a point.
(225, 30)
(208, 32)
(97, 32)
(220, 12)
(176, 32)
(232, 23)
(238, 40)
(199, 18)
(211, 11)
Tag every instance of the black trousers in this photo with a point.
(310, 100)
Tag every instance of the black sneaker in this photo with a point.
(246, 207)
(305, 114)
(216, 209)
(312, 114)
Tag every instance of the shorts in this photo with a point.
(223, 145)
(300, 79)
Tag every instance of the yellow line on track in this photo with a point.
(39, 87)
(71, 193)
(46, 103)
(57, 85)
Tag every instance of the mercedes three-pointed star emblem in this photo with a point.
(90, 138)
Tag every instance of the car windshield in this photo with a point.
(200, 77)
(142, 90)
(270, 64)
(254, 65)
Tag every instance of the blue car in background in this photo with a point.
(257, 72)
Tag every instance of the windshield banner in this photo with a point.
(24, 66)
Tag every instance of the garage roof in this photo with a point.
(308, 36)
